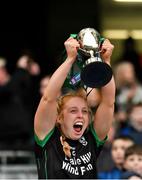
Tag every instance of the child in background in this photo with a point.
(119, 145)
(133, 160)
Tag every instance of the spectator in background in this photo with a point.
(43, 84)
(129, 90)
(26, 61)
(133, 161)
(14, 117)
(15, 106)
(131, 54)
(119, 145)
(133, 124)
(4, 75)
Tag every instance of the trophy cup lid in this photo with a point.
(88, 39)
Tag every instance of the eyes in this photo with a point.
(75, 111)
(135, 158)
(115, 148)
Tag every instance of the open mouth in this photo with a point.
(78, 126)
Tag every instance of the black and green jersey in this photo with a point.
(53, 164)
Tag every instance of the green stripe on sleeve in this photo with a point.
(44, 141)
(98, 141)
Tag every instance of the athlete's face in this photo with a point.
(118, 149)
(75, 118)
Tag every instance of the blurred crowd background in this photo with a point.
(32, 35)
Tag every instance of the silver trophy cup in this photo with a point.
(95, 72)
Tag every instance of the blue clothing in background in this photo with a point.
(115, 173)
(131, 131)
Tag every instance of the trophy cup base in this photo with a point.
(96, 74)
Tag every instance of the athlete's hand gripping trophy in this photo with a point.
(89, 70)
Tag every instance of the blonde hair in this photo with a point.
(63, 99)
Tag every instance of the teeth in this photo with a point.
(79, 123)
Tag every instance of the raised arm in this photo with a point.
(104, 115)
(46, 114)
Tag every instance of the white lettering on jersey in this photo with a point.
(78, 165)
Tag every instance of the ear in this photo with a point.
(59, 118)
